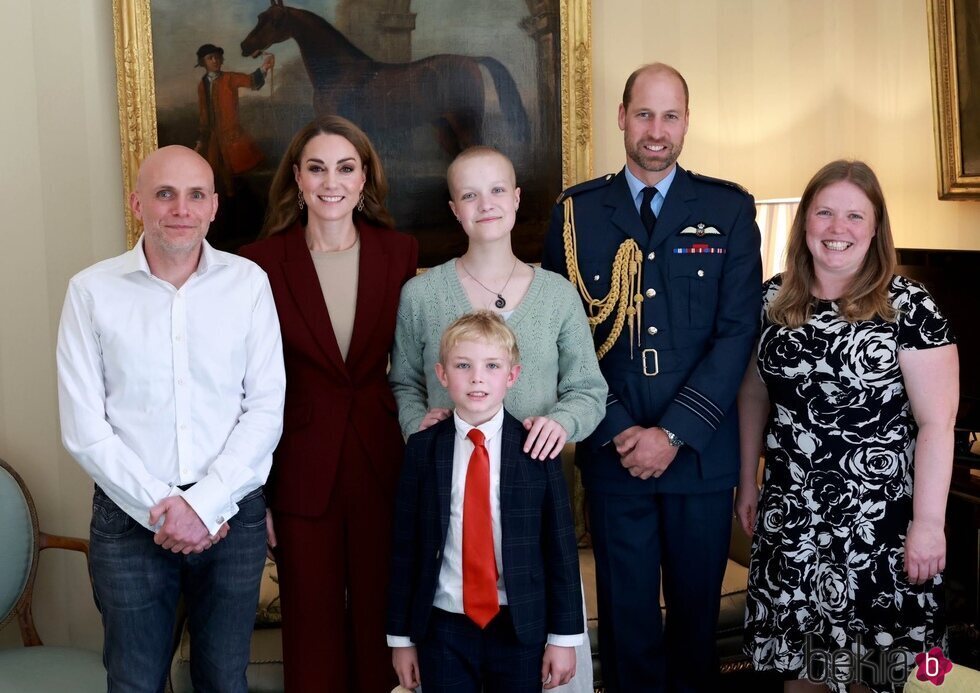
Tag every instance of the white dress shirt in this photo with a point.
(161, 387)
(449, 589)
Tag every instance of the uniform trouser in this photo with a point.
(137, 585)
(637, 539)
(333, 579)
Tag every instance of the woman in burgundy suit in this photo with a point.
(336, 269)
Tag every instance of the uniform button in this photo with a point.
(651, 293)
(183, 427)
(180, 381)
(651, 330)
(700, 273)
(651, 256)
(595, 278)
(178, 337)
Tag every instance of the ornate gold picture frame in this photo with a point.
(138, 102)
(954, 52)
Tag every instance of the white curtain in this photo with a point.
(775, 217)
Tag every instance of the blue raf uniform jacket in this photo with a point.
(700, 279)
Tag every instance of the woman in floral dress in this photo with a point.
(854, 394)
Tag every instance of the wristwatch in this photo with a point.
(674, 441)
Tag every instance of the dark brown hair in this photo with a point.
(283, 211)
(867, 296)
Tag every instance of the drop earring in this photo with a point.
(360, 203)
(299, 199)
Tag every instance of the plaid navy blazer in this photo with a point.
(540, 557)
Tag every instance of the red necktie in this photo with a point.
(479, 564)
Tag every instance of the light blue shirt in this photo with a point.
(636, 189)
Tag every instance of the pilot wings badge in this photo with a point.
(700, 230)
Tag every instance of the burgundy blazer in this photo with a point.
(326, 398)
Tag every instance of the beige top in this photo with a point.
(337, 272)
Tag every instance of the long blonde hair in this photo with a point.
(283, 211)
(867, 296)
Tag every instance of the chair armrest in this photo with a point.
(25, 617)
(54, 541)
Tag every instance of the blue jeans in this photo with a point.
(137, 585)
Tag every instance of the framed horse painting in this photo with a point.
(424, 78)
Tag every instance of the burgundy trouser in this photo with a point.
(333, 579)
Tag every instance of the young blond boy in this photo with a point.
(485, 590)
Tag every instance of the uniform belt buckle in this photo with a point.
(656, 363)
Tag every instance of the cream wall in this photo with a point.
(59, 211)
(778, 88)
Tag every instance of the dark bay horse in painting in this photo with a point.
(444, 90)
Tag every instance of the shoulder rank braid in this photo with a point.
(624, 289)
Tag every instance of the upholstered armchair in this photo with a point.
(35, 667)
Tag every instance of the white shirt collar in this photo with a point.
(135, 259)
(489, 428)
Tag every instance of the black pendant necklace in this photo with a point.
(501, 302)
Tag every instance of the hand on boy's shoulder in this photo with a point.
(545, 437)
(434, 416)
(432, 430)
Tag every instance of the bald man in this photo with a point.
(171, 385)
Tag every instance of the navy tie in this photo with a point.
(647, 216)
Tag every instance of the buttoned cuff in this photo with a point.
(566, 640)
(399, 641)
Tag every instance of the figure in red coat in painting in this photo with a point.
(222, 140)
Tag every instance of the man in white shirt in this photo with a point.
(171, 385)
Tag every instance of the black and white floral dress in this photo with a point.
(828, 550)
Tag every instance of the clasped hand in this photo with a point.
(182, 530)
(645, 452)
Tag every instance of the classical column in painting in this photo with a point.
(381, 28)
(542, 24)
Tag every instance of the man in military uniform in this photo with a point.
(667, 263)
